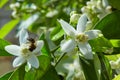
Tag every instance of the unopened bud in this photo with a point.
(15, 5)
(51, 13)
(74, 18)
(113, 65)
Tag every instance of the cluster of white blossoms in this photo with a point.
(98, 7)
(18, 6)
(28, 50)
(14, 7)
(74, 70)
(78, 37)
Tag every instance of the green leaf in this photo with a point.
(6, 76)
(44, 65)
(115, 42)
(44, 71)
(117, 77)
(45, 50)
(101, 44)
(3, 43)
(97, 66)
(115, 3)
(51, 74)
(29, 21)
(88, 69)
(8, 27)
(106, 70)
(3, 2)
(51, 45)
(18, 73)
(57, 33)
(113, 57)
(110, 25)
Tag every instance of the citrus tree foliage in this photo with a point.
(63, 39)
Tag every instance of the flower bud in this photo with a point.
(15, 5)
(74, 18)
(113, 65)
(52, 13)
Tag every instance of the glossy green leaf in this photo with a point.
(3, 43)
(110, 25)
(3, 2)
(115, 3)
(51, 45)
(106, 70)
(8, 27)
(113, 57)
(44, 71)
(88, 69)
(6, 76)
(45, 50)
(51, 74)
(115, 42)
(97, 66)
(57, 33)
(101, 44)
(18, 73)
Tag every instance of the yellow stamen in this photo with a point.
(81, 38)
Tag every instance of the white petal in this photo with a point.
(68, 66)
(18, 61)
(13, 49)
(23, 36)
(93, 34)
(29, 66)
(117, 71)
(70, 75)
(33, 61)
(81, 26)
(39, 46)
(71, 69)
(67, 28)
(105, 3)
(86, 50)
(67, 45)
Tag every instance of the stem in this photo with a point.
(60, 59)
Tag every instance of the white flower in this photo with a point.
(15, 5)
(51, 14)
(74, 70)
(97, 7)
(78, 37)
(26, 52)
(116, 65)
(26, 23)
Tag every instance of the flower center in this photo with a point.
(25, 50)
(81, 38)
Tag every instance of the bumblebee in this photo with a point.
(32, 44)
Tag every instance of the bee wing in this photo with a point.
(32, 35)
